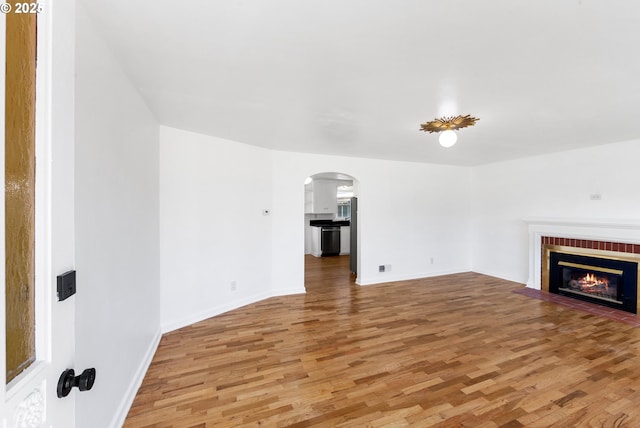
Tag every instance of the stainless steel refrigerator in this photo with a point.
(353, 241)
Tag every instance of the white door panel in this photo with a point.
(31, 399)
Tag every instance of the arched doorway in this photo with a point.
(331, 222)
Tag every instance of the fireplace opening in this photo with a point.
(591, 281)
(601, 280)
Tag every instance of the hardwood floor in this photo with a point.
(454, 351)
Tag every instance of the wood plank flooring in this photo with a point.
(453, 351)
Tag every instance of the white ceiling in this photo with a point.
(357, 77)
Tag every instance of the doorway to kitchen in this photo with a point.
(330, 222)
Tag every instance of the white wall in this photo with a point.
(117, 231)
(408, 213)
(555, 185)
(212, 229)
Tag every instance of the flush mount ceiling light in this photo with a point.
(447, 125)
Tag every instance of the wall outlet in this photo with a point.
(387, 268)
(234, 286)
(381, 268)
(595, 196)
(431, 260)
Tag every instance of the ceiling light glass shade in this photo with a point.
(448, 138)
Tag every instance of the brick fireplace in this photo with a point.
(591, 260)
(600, 272)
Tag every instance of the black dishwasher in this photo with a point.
(330, 240)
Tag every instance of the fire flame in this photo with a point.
(590, 280)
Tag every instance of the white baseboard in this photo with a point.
(440, 273)
(288, 292)
(383, 277)
(166, 327)
(500, 275)
(136, 382)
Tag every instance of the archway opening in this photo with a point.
(331, 233)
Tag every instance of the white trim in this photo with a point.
(583, 222)
(130, 395)
(3, 345)
(43, 191)
(394, 278)
(500, 275)
(27, 380)
(169, 326)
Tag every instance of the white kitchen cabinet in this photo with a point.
(320, 197)
(308, 198)
(345, 240)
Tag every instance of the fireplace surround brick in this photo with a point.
(620, 247)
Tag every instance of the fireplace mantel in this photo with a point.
(617, 230)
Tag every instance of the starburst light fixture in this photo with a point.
(448, 126)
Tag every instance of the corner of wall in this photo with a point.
(178, 323)
(136, 382)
